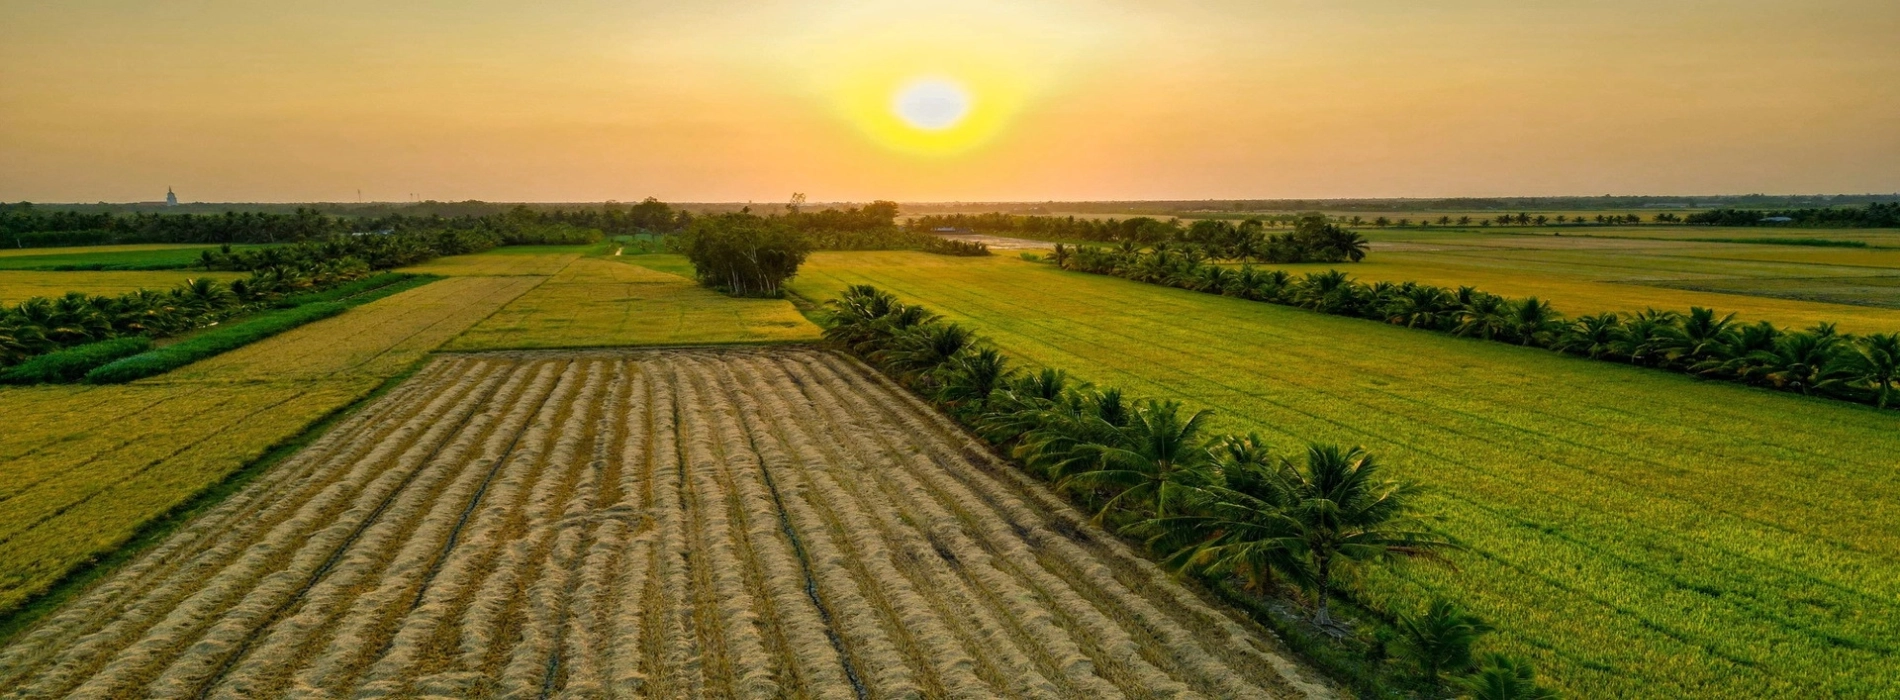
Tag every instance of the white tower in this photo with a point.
(171, 200)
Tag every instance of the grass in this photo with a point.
(87, 467)
(1812, 242)
(1635, 533)
(595, 302)
(19, 285)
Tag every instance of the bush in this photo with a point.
(211, 343)
(72, 363)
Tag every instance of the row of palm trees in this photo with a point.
(45, 324)
(1222, 507)
(378, 251)
(1820, 361)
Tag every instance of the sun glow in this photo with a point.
(936, 80)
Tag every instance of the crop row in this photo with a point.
(647, 524)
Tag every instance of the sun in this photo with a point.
(931, 103)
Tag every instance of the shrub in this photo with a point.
(950, 246)
(72, 363)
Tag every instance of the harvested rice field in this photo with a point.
(663, 523)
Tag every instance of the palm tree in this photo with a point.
(968, 380)
(1238, 524)
(1506, 678)
(925, 348)
(1532, 321)
(1804, 362)
(1440, 638)
(1876, 362)
(1059, 438)
(1698, 336)
(1160, 453)
(1345, 512)
(1591, 336)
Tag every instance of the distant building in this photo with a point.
(171, 200)
(1777, 220)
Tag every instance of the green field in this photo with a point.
(104, 258)
(1635, 533)
(19, 285)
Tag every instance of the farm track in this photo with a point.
(670, 523)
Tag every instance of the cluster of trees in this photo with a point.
(1874, 215)
(1818, 361)
(743, 254)
(1220, 507)
(1141, 229)
(46, 324)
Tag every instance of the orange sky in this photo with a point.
(587, 100)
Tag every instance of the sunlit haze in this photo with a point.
(583, 100)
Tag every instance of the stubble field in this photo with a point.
(712, 523)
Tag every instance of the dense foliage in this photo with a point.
(1218, 507)
(1818, 361)
(1313, 238)
(743, 254)
(1875, 215)
(375, 251)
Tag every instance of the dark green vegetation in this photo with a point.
(70, 364)
(1877, 292)
(1875, 215)
(1818, 361)
(1632, 533)
(1211, 506)
(744, 255)
(226, 338)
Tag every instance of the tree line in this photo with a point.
(32, 227)
(1227, 509)
(1875, 215)
(1818, 361)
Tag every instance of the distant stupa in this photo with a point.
(171, 200)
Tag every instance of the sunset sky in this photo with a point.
(588, 100)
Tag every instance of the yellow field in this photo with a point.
(596, 302)
(19, 285)
(85, 467)
(495, 263)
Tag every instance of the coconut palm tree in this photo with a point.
(966, 382)
(1440, 638)
(919, 350)
(1345, 511)
(1698, 336)
(1532, 321)
(1876, 363)
(1505, 678)
(1590, 336)
(1237, 525)
(1159, 454)
(1804, 362)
